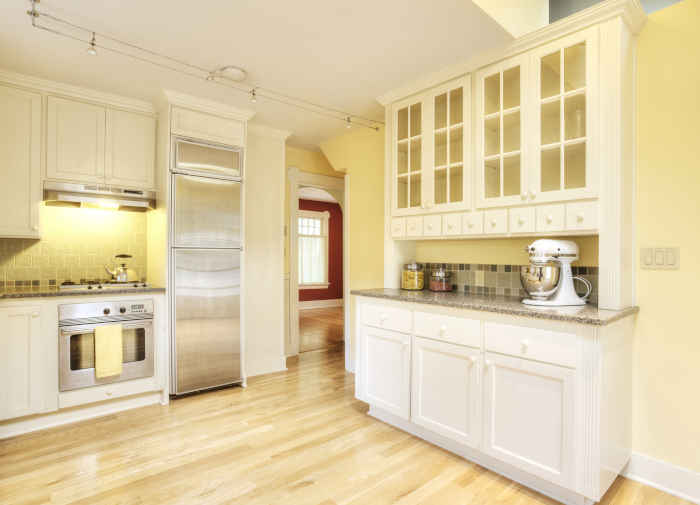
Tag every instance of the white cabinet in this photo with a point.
(89, 143)
(21, 365)
(130, 149)
(502, 120)
(200, 126)
(564, 93)
(75, 146)
(398, 227)
(431, 143)
(550, 218)
(385, 365)
(432, 225)
(20, 159)
(529, 416)
(445, 390)
(452, 224)
(496, 222)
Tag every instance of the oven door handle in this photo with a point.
(83, 329)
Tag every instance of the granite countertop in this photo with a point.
(586, 314)
(53, 291)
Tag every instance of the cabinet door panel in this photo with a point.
(75, 148)
(445, 390)
(529, 416)
(130, 149)
(386, 369)
(20, 151)
(408, 153)
(201, 126)
(20, 358)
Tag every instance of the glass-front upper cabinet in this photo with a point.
(449, 111)
(564, 91)
(408, 155)
(501, 114)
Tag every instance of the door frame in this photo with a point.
(336, 187)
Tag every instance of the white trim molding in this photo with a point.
(666, 477)
(266, 131)
(318, 285)
(320, 304)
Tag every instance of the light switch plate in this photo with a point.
(660, 258)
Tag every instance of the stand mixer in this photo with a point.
(548, 279)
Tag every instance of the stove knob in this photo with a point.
(122, 309)
(89, 287)
(106, 311)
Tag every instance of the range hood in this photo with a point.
(97, 195)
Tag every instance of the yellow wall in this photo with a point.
(504, 251)
(76, 244)
(306, 161)
(667, 410)
(360, 154)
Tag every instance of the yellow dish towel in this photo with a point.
(108, 350)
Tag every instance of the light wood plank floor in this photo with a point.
(297, 437)
(320, 329)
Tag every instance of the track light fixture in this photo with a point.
(253, 96)
(348, 122)
(92, 50)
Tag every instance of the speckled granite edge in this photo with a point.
(587, 314)
(47, 292)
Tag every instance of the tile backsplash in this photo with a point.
(503, 279)
(76, 243)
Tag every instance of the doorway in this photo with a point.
(317, 263)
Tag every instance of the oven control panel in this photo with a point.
(107, 310)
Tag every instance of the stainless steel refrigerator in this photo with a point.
(205, 266)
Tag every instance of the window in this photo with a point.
(313, 249)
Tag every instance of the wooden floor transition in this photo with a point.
(297, 437)
(320, 329)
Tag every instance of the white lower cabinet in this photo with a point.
(386, 370)
(528, 416)
(445, 390)
(21, 365)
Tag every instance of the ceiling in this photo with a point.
(342, 55)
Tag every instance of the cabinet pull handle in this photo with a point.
(443, 329)
(525, 344)
(35, 228)
(579, 217)
(108, 393)
(550, 219)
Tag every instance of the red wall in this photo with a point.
(335, 252)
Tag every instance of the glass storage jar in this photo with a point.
(413, 276)
(440, 280)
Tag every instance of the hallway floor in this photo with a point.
(321, 329)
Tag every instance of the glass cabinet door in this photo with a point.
(500, 124)
(450, 138)
(563, 92)
(408, 152)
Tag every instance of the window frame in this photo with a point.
(324, 217)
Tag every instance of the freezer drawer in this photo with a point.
(206, 321)
(207, 212)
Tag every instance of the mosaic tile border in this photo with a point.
(503, 280)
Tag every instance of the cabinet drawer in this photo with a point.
(496, 221)
(473, 223)
(452, 224)
(197, 125)
(456, 330)
(550, 218)
(432, 225)
(582, 216)
(532, 343)
(521, 220)
(390, 318)
(398, 227)
(414, 226)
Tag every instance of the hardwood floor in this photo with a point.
(320, 329)
(297, 437)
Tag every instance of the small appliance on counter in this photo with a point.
(548, 279)
(440, 280)
(413, 277)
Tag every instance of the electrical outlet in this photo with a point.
(660, 258)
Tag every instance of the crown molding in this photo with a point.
(630, 11)
(78, 92)
(207, 106)
(266, 131)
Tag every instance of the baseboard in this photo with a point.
(320, 304)
(12, 428)
(264, 366)
(666, 477)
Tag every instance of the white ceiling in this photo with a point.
(341, 54)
